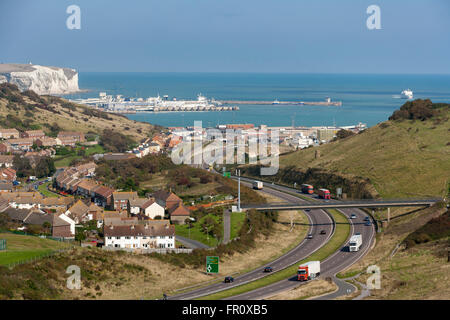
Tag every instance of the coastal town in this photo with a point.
(124, 219)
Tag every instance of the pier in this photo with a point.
(326, 103)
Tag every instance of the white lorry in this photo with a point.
(308, 271)
(258, 185)
(355, 242)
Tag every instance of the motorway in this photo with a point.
(338, 261)
(335, 263)
(319, 220)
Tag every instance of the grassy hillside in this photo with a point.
(412, 253)
(20, 247)
(400, 158)
(28, 110)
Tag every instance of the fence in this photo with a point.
(149, 250)
(34, 258)
(68, 240)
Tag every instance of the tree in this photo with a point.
(47, 227)
(22, 165)
(45, 167)
(342, 134)
(414, 110)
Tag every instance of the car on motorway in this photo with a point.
(368, 223)
(228, 279)
(323, 232)
(310, 236)
(308, 210)
(353, 216)
(268, 269)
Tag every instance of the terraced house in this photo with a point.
(120, 199)
(9, 134)
(140, 236)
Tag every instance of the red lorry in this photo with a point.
(307, 188)
(324, 194)
(308, 271)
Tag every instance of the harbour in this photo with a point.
(326, 103)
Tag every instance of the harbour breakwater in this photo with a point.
(174, 109)
(289, 103)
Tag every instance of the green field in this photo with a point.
(23, 248)
(43, 189)
(65, 160)
(196, 232)
(237, 219)
(337, 240)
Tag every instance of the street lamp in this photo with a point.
(238, 173)
(189, 226)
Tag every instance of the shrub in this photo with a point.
(414, 110)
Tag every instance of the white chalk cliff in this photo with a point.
(40, 79)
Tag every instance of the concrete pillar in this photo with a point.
(389, 214)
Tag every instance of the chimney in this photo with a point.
(132, 226)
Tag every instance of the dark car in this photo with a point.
(307, 210)
(323, 232)
(368, 223)
(268, 269)
(228, 279)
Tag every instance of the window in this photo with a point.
(170, 237)
(109, 238)
(118, 238)
(135, 237)
(144, 237)
(127, 237)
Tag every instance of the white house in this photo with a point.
(70, 221)
(145, 206)
(152, 209)
(135, 204)
(140, 236)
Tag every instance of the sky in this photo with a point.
(269, 36)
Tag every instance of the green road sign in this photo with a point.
(227, 174)
(2, 244)
(212, 264)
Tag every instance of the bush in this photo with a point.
(115, 141)
(414, 110)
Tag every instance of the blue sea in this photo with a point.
(367, 98)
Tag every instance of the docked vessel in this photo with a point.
(119, 104)
(407, 94)
(276, 102)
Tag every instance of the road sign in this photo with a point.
(2, 244)
(212, 264)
